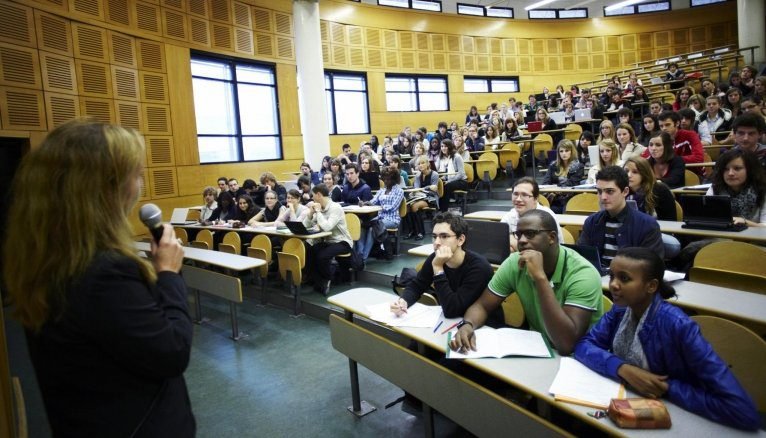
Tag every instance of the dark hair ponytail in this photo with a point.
(655, 268)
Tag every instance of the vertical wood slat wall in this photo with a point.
(123, 61)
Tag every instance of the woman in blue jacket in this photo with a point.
(657, 350)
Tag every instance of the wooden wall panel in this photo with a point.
(125, 83)
(162, 182)
(129, 114)
(90, 42)
(60, 108)
(18, 25)
(100, 109)
(87, 9)
(160, 151)
(151, 56)
(19, 67)
(148, 17)
(58, 73)
(53, 33)
(181, 100)
(93, 78)
(119, 12)
(23, 109)
(122, 49)
(157, 119)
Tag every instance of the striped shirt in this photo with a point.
(389, 203)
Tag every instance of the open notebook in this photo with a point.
(578, 384)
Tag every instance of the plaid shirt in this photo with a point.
(389, 202)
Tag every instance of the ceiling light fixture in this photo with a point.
(623, 4)
(538, 4)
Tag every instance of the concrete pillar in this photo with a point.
(311, 87)
(751, 29)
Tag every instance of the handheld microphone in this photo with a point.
(151, 216)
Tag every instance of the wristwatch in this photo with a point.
(462, 323)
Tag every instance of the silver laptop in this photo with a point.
(655, 81)
(179, 217)
(558, 117)
(593, 155)
(583, 114)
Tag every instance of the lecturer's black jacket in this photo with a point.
(113, 363)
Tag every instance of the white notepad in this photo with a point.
(419, 315)
(576, 383)
(504, 342)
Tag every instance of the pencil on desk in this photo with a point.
(438, 325)
(450, 327)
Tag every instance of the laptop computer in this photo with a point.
(298, 228)
(583, 114)
(534, 126)
(655, 81)
(179, 217)
(489, 239)
(591, 254)
(558, 117)
(709, 213)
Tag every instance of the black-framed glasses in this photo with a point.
(521, 195)
(529, 234)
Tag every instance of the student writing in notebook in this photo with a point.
(559, 290)
(655, 348)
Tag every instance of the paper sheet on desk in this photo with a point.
(576, 383)
(418, 315)
(671, 276)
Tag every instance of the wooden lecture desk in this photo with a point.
(226, 287)
(751, 234)
(481, 412)
(270, 231)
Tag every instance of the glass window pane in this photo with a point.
(432, 84)
(395, 3)
(705, 2)
(214, 107)
(654, 7)
(400, 84)
(504, 85)
(433, 102)
(349, 83)
(330, 111)
(475, 86)
(261, 148)
(627, 10)
(542, 13)
(427, 5)
(500, 12)
(351, 112)
(470, 10)
(573, 13)
(257, 109)
(217, 149)
(401, 102)
(210, 69)
(254, 74)
(327, 83)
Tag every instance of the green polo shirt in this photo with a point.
(575, 283)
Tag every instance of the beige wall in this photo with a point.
(127, 62)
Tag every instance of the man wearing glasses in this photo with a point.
(459, 276)
(524, 198)
(559, 290)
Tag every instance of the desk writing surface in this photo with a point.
(715, 300)
(270, 230)
(534, 375)
(424, 250)
(705, 164)
(217, 258)
(487, 215)
(362, 210)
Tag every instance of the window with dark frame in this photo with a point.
(236, 109)
(491, 84)
(423, 5)
(643, 8)
(484, 11)
(695, 3)
(347, 102)
(552, 14)
(416, 93)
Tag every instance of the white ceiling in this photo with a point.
(595, 7)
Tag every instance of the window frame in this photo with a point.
(489, 80)
(692, 5)
(232, 62)
(636, 9)
(557, 10)
(331, 73)
(483, 11)
(410, 5)
(417, 91)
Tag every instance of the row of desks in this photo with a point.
(481, 412)
(751, 234)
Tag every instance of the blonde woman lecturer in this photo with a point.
(109, 333)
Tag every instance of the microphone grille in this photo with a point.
(150, 215)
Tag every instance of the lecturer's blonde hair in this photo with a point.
(70, 200)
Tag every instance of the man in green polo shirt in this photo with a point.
(559, 290)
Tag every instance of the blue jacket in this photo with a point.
(352, 195)
(698, 380)
(638, 229)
